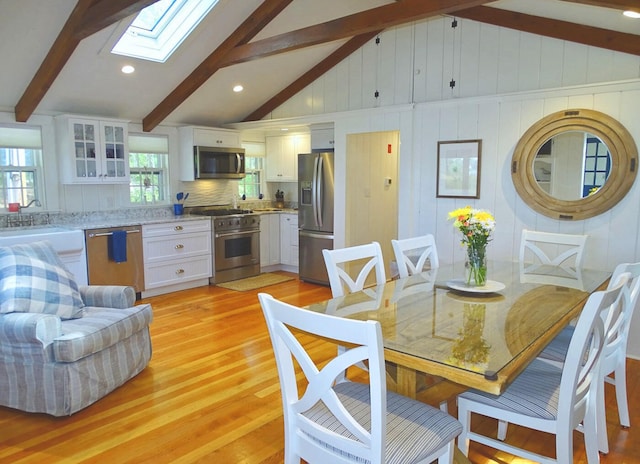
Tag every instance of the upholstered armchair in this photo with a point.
(63, 347)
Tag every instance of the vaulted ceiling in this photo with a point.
(56, 54)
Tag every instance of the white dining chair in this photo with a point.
(341, 263)
(413, 254)
(347, 422)
(614, 354)
(550, 398)
(546, 249)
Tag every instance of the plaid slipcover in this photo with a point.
(59, 367)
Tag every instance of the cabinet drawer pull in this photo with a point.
(179, 246)
(178, 228)
(180, 271)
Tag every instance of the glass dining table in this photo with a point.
(475, 337)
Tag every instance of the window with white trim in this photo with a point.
(148, 169)
(251, 185)
(20, 165)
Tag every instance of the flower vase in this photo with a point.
(476, 266)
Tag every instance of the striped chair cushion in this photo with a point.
(557, 349)
(414, 429)
(98, 329)
(29, 284)
(534, 393)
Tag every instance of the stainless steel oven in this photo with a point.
(235, 243)
(236, 247)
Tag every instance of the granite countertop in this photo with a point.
(123, 222)
(133, 217)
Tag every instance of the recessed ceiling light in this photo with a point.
(128, 69)
(238, 88)
(632, 14)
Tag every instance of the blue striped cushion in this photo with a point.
(534, 393)
(414, 429)
(99, 329)
(29, 284)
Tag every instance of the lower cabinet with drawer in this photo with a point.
(177, 255)
(289, 242)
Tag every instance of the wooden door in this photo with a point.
(372, 190)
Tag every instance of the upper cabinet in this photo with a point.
(93, 150)
(282, 156)
(191, 136)
(322, 137)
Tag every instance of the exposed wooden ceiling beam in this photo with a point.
(375, 19)
(53, 63)
(268, 10)
(614, 4)
(82, 18)
(311, 75)
(563, 30)
(226, 54)
(106, 12)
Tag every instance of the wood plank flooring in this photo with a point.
(211, 395)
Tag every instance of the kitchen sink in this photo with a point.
(62, 239)
(68, 243)
(25, 232)
(264, 210)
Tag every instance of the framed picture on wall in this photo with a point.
(459, 169)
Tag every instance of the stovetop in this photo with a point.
(228, 219)
(216, 211)
(224, 212)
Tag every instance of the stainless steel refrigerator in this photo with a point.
(315, 214)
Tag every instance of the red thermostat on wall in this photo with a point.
(389, 148)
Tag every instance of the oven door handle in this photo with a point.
(232, 234)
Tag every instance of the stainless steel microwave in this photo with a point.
(218, 162)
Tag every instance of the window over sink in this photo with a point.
(20, 166)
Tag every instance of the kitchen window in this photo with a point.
(20, 165)
(148, 169)
(251, 185)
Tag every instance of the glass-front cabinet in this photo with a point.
(95, 150)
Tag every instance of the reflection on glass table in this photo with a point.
(477, 340)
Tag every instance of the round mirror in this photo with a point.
(574, 164)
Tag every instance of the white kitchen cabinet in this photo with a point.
(191, 136)
(289, 240)
(322, 139)
(177, 255)
(282, 156)
(269, 240)
(93, 151)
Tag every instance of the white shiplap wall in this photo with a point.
(505, 81)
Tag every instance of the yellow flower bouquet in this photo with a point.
(476, 226)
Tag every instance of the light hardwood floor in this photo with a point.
(211, 394)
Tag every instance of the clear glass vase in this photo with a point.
(476, 266)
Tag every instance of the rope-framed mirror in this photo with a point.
(574, 164)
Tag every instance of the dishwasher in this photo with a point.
(102, 270)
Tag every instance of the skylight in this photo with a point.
(159, 29)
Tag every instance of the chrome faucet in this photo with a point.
(35, 200)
